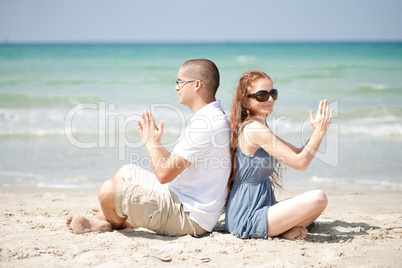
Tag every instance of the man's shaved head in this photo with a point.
(204, 70)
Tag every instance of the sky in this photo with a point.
(92, 21)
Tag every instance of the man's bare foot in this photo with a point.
(95, 210)
(97, 213)
(81, 224)
(296, 233)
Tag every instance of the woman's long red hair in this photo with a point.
(241, 112)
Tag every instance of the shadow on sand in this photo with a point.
(327, 232)
(338, 231)
(320, 232)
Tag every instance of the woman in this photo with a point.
(252, 211)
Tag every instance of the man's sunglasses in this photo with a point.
(263, 95)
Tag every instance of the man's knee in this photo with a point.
(121, 172)
(107, 191)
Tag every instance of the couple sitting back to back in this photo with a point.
(187, 191)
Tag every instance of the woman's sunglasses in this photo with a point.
(263, 95)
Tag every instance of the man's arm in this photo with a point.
(166, 166)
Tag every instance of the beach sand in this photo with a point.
(358, 229)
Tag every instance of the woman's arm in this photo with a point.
(291, 146)
(258, 134)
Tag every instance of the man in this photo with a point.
(187, 191)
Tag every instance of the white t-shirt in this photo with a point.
(202, 187)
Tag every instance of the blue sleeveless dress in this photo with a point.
(251, 195)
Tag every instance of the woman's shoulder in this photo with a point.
(255, 127)
(256, 133)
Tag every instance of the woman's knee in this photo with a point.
(319, 199)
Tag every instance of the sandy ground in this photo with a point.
(358, 229)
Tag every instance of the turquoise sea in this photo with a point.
(68, 111)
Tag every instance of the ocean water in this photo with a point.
(68, 112)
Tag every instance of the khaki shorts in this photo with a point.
(147, 203)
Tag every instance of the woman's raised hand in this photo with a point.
(322, 120)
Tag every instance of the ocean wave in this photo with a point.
(30, 179)
(385, 121)
(375, 89)
(171, 134)
(17, 82)
(31, 132)
(379, 130)
(50, 82)
(372, 86)
(317, 75)
(387, 112)
(381, 121)
(246, 59)
(14, 100)
(346, 184)
(72, 82)
(344, 67)
(361, 66)
(60, 83)
(390, 130)
(87, 124)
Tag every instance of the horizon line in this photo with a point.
(228, 42)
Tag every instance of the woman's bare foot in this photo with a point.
(296, 233)
(312, 227)
(81, 224)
